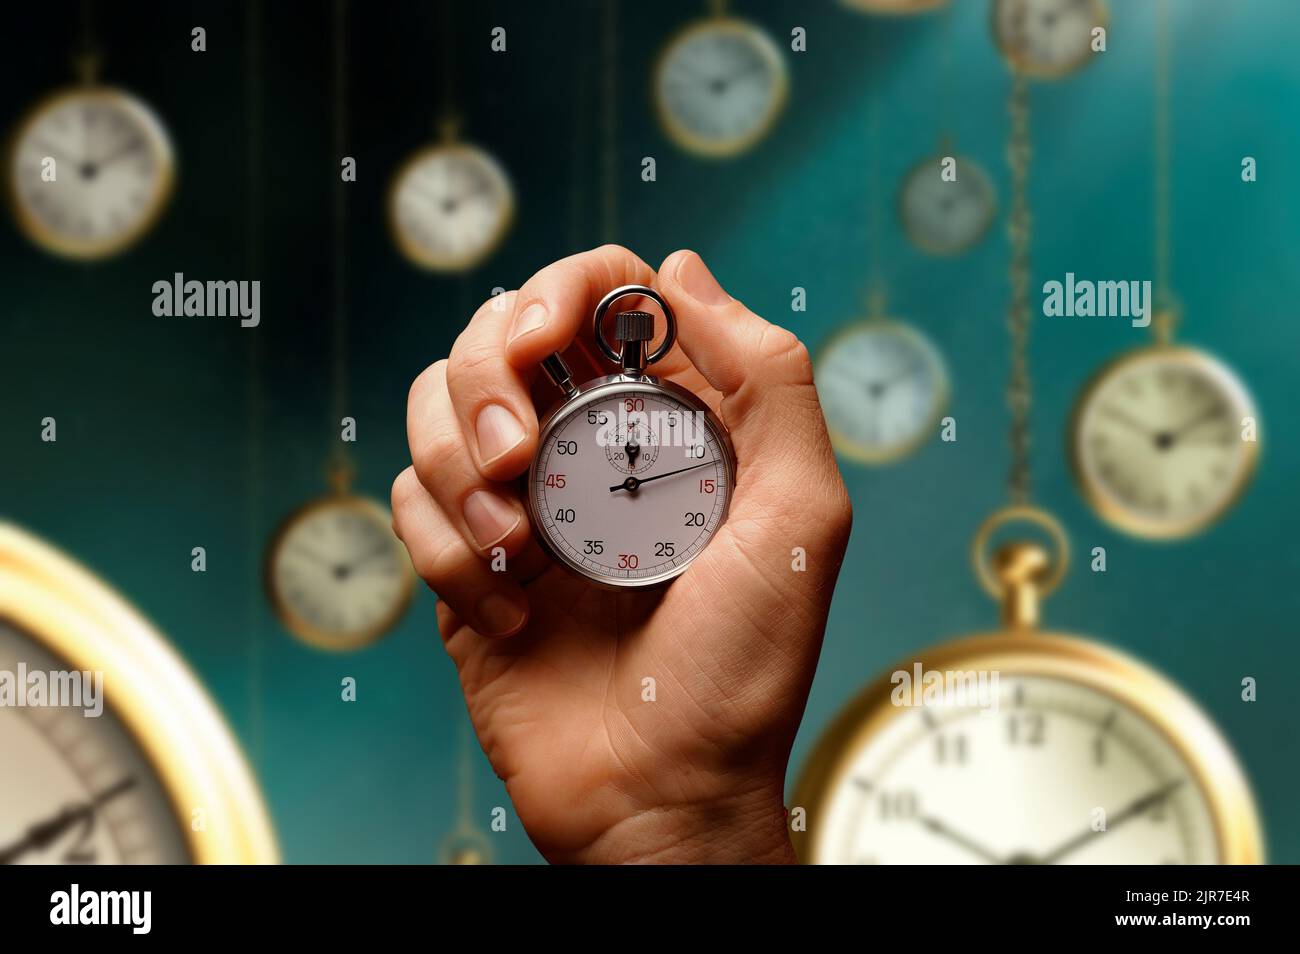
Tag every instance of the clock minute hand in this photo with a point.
(43, 833)
(632, 483)
(1132, 810)
(940, 828)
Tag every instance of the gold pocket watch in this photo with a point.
(450, 205)
(1022, 747)
(336, 574)
(155, 778)
(893, 7)
(720, 85)
(1156, 440)
(1047, 39)
(113, 170)
(883, 388)
(945, 217)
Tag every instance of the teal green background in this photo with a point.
(177, 433)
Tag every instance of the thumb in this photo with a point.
(765, 376)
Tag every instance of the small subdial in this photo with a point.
(632, 449)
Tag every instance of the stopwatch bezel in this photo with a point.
(595, 390)
(1188, 730)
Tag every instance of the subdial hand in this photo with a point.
(632, 483)
(44, 833)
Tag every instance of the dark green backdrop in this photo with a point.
(176, 433)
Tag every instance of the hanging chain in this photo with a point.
(1166, 313)
(876, 295)
(609, 122)
(1019, 223)
(340, 465)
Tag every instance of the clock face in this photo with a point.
(882, 387)
(1030, 780)
(449, 207)
(946, 217)
(1157, 441)
(337, 575)
(78, 790)
(90, 171)
(1047, 38)
(630, 484)
(719, 87)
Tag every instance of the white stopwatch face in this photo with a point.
(882, 387)
(946, 216)
(337, 575)
(1071, 759)
(720, 86)
(77, 790)
(450, 206)
(90, 171)
(630, 483)
(1158, 441)
(1047, 38)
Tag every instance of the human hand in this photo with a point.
(551, 666)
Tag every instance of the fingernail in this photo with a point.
(528, 320)
(694, 276)
(489, 518)
(498, 431)
(498, 615)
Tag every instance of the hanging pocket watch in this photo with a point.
(1047, 39)
(1022, 747)
(633, 474)
(1163, 441)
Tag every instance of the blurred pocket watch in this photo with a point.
(336, 574)
(156, 777)
(91, 169)
(720, 85)
(450, 205)
(946, 217)
(1071, 753)
(893, 7)
(1159, 439)
(883, 387)
(1047, 39)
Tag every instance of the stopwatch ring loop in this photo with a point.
(630, 291)
(1020, 513)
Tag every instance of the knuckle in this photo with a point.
(404, 489)
(470, 357)
(439, 443)
(425, 383)
(440, 558)
(782, 347)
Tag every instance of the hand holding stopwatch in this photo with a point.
(611, 436)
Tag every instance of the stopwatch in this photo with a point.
(633, 474)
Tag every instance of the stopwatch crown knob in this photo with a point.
(634, 326)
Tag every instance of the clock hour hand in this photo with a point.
(1129, 421)
(940, 828)
(632, 483)
(46, 832)
(1134, 808)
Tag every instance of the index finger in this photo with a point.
(552, 306)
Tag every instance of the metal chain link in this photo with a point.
(1019, 223)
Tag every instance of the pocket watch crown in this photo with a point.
(634, 326)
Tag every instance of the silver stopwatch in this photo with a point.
(633, 475)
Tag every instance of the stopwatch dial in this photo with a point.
(78, 789)
(1055, 773)
(633, 449)
(624, 517)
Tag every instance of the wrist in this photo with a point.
(748, 827)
